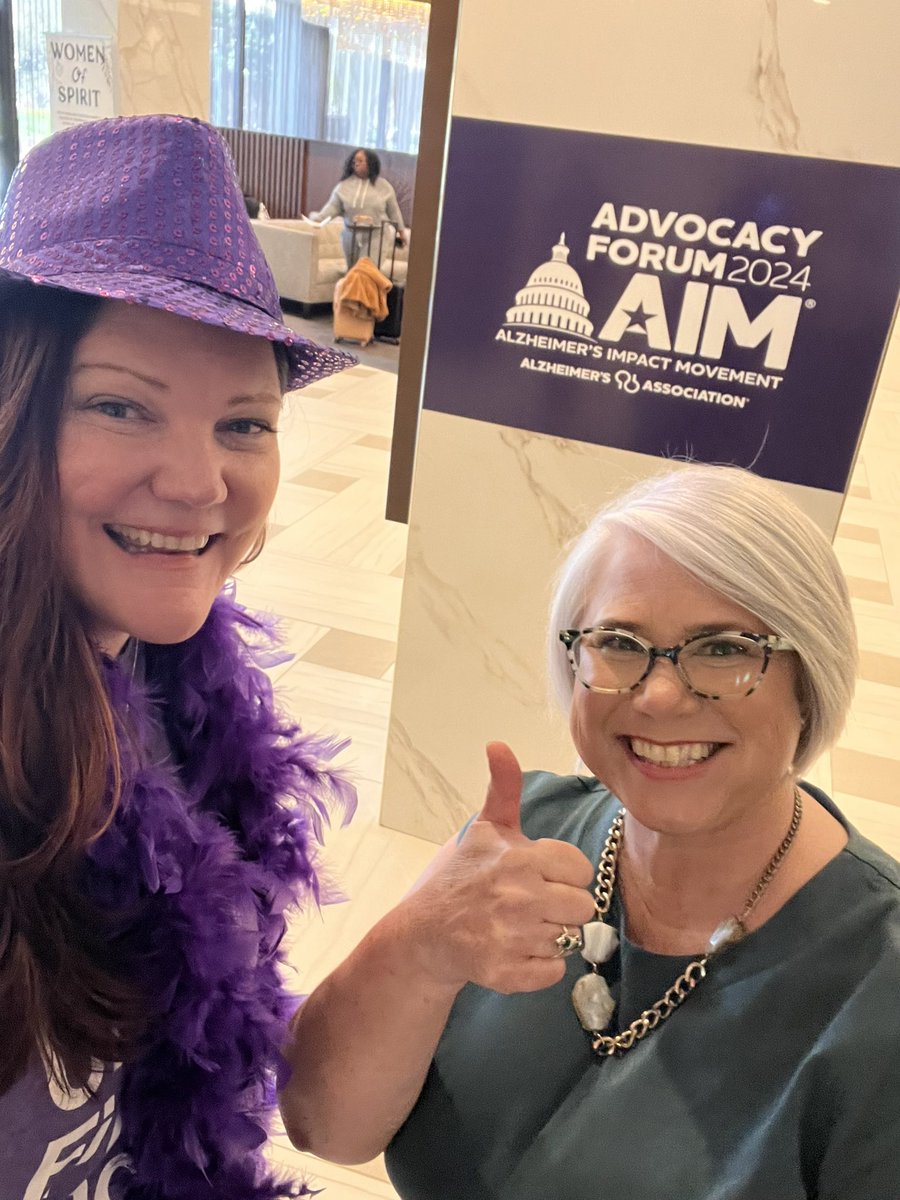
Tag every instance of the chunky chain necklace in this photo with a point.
(591, 995)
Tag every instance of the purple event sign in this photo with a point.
(665, 298)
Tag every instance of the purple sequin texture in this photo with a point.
(148, 210)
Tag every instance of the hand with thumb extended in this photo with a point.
(494, 903)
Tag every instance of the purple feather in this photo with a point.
(198, 868)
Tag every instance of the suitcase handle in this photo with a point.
(396, 229)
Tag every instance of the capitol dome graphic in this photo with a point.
(553, 298)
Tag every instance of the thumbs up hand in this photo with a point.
(491, 907)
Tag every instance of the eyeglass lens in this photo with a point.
(718, 665)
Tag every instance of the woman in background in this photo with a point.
(363, 197)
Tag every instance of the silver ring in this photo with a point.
(568, 942)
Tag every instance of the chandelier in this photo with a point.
(380, 12)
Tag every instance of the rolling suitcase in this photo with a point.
(388, 330)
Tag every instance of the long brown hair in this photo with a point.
(59, 768)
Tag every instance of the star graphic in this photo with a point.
(637, 319)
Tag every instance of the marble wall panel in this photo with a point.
(163, 49)
(493, 506)
(790, 75)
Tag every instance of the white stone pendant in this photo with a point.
(593, 1002)
(600, 942)
(728, 933)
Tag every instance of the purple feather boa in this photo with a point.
(202, 861)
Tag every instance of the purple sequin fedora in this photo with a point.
(148, 210)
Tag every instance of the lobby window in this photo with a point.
(348, 71)
(32, 20)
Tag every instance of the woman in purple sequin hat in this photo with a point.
(158, 815)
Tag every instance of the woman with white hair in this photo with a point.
(676, 975)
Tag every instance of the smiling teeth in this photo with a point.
(681, 755)
(145, 538)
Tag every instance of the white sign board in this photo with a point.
(81, 79)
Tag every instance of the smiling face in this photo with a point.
(168, 464)
(677, 762)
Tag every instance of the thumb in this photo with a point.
(503, 802)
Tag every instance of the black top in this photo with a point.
(778, 1078)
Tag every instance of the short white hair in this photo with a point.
(742, 536)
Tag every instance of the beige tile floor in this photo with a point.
(333, 572)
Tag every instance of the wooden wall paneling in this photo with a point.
(296, 175)
(270, 167)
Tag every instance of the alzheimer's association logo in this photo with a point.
(647, 335)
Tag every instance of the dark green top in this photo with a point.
(778, 1079)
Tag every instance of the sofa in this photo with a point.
(307, 259)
